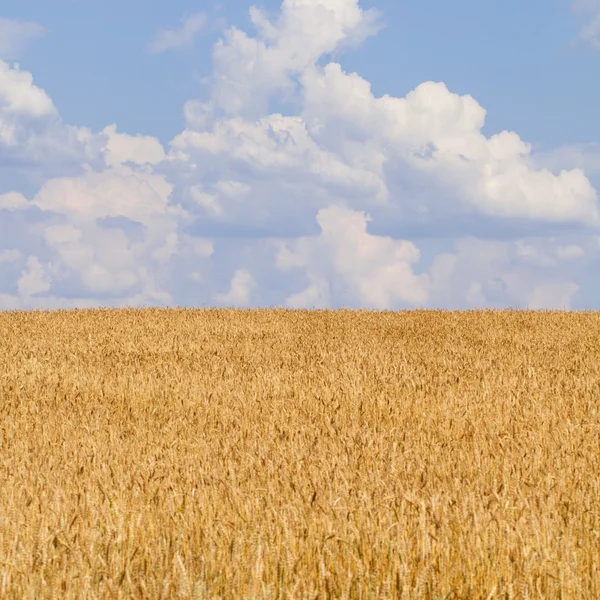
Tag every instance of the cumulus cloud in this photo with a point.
(270, 160)
(249, 69)
(21, 98)
(242, 284)
(346, 266)
(138, 149)
(436, 133)
(115, 192)
(13, 201)
(110, 231)
(118, 229)
(533, 273)
(181, 38)
(33, 137)
(34, 279)
(348, 263)
(419, 157)
(15, 35)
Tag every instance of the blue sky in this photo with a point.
(304, 153)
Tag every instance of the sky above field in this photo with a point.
(307, 153)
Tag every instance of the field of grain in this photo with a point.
(207, 453)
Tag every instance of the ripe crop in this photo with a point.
(177, 453)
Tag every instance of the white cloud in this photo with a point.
(277, 147)
(206, 201)
(436, 133)
(248, 70)
(420, 155)
(532, 272)
(113, 259)
(372, 270)
(15, 35)
(98, 279)
(21, 98)
(241, 286)
(61, 234)
(232, 189)
(67, 240)
(88, 256)
(138, 149)
(181, 38)
(34, 279)
(32, 135)
(115, 192)
(149, 296)
(552, 295)
(13, 201)
(163, 253)
(345, 265)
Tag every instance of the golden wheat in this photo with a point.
(295, 454)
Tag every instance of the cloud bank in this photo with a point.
(347, 200)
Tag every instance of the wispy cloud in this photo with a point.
(590, 33)
(14, 36)
(181, 38)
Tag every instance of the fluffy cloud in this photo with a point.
(115, 192)
(534, 273)
(437, 134)
(15, 35)
(249, 206)
(108, 233)
(179, 39)
(345, 265)
(248, 70)
(240, 289)
(345, 262)
(118, 229)
(34, 279)
(138, 149)
(421, 156)
(13, 201)
(21, 99)
(33, 137)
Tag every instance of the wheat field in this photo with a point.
(179, 453)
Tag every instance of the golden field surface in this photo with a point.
(178, 453)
